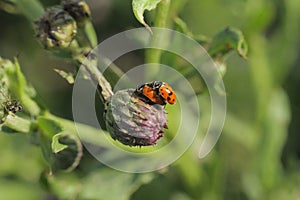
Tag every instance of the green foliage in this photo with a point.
(17, 83)
(227, 40)
(16, 123)
(255, 157)
(32, 11)
(56, 145)
(107, 183)
(140, 6)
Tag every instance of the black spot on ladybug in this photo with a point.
(168, 98)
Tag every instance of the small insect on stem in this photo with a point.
(13, 106)
(9, 105)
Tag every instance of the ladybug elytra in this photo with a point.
(157, 92)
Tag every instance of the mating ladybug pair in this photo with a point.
(156, 92)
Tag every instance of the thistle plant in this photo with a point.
(133, 123)
(128, 118)
(68, 170)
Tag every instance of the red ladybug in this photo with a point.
(157, 92)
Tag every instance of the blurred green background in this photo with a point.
(258, 153)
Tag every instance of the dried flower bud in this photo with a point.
(78, 9)
(56, 28)
(132, 121)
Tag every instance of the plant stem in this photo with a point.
(86, 36)
(162, 13)
(161, 18)
(90, 65)
(261, 77)
(91, 34)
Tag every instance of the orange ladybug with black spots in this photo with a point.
(157, 92)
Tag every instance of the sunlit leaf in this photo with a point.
(139, 7)
(56, 145)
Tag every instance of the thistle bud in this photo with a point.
(132, 121)
(78, 9)
(56, 28)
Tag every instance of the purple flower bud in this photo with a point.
(132, 121)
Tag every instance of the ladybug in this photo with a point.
(157, 92)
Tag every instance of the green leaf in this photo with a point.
(111, 184)
(67, 150)
(181, 26)
(61, 146)
(228, 40)
(17, 123)
(139, 7)
(18, 85)
(49, 127)
(91, 135)
(63, 185)
(56, 145)
(26, 190)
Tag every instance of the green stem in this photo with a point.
(162, 13)
(86, 36)
(90, 65)
(161, 19)
(90, 135)
(91, 34)
(261, 76)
